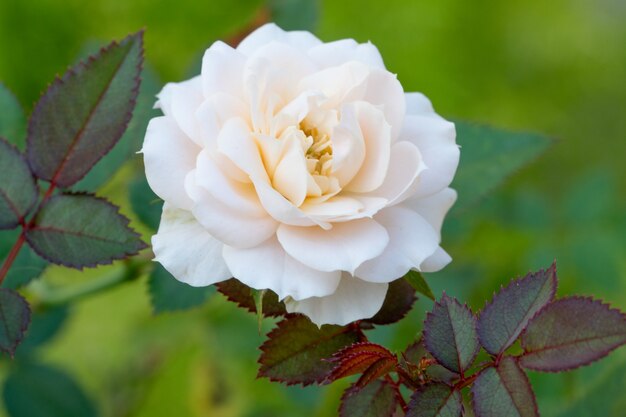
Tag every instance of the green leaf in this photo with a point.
(296, 350)
(436, 400)
(83, 115)
(243, 295)
(295, 14)
(420, 285)
(416, 352)
(79, 230)
(14, 320)
(504, 391)
(503, 319)
(450, 334)
(12, 119)
(146, 205)
(398, 302)
(26, 267)
(40, 391)
(18, 191)
(489, 156)
(131, 141)
(169, 294)
(377, 399)
(572, 332)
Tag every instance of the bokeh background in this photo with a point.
(556, 67)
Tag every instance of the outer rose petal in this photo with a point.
(435, 138)
(222, 70)
(384, 89)
(344, 247)
(433, 208)
(339, 52)
(268, 266)
(411, 240)
(187, 250)
(436, 261)
(168, 156)
(405, 165)
(353, 300)
(180, 101)
(417, 103)
(270, 32)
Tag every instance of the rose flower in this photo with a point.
(301, 167)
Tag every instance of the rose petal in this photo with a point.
(291, 174)
(270, 32)
(185, 98)
(187, 250)
(433, 208)
(435, 138)
(411, 240)
(222, 70)
(436, 261)
(405, 167)
(417, 103)
(348, 146)
(214, 112)
(384, 90)
(232, 227)
(282, 209)
(344, 247)
(339, 52)
(377, 140)
(168, 157)
(353, 300)
(235, 141)
(342, 84)
(267, 266)
(234, 194)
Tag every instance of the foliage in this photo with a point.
(555, 335)
(76, 122)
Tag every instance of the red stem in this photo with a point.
(396, 387)
(15, 250)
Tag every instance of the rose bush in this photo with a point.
(301, 167)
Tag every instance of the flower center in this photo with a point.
(319, 151)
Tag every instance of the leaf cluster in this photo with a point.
(523, 327)
(74, 125)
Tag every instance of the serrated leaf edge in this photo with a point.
(488, 303)
(71, 72)
(569, 298)
(125, 222)
(23, 326)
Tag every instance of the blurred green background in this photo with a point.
(556, 67)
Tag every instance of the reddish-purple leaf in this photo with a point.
(358, 358)
(79, 230)
(18, 191)
(504, 391)
(450, 334)
(377, 399)
(435, 400)
(572, 332)
(83, 115)
(377, 369)
(419, 358)
(398, 302)
(503, 319)
(241, 294)
(296, 351)
(14, 320)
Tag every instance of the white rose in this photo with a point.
(301, 167)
